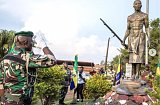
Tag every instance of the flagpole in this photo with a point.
(146, 47)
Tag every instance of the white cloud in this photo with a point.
(63, 21)
(94, 49)
(89, 48)
(61, 25)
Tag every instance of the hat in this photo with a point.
(24, 33)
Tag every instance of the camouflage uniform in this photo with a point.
(65, 85)
(18, 74)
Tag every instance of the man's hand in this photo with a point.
(1, 90)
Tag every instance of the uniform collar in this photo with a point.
(21, 51)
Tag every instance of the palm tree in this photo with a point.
(6, 41)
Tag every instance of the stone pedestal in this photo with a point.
(129, 92)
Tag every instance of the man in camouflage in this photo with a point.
(18, 69)
(65, 84)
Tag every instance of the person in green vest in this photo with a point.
(19, 66)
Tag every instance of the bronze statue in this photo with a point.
(136, 37)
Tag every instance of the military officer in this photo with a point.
(18, 69)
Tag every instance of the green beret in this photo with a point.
(24, 33)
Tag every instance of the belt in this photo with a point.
(12, 97)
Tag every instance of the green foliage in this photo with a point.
(97, 86)
(155, 23)
(48, 84)
(155, 42)
(156, 92)
(115, 60)
(102, 62)
(124, 55)
(157, 103)
(6, 40)
(156, 86)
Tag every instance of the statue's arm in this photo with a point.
(146, 23)
(127, 31)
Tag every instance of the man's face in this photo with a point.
(137, 5)
(30, 43)
(81, 70)
(25, 42)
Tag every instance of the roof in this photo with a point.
(80, 63)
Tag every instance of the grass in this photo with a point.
(68, 102)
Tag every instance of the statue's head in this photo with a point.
(137, 5)
(23, 39)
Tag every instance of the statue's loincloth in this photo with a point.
(137, 48)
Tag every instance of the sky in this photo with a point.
(73, 26)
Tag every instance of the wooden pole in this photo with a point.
(106, 60)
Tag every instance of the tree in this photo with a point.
(155, 42)
(124, 56)
(6, 41)
(102, 62)
(49, 84)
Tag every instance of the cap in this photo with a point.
(24, 33)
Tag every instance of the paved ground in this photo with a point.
(69, 95)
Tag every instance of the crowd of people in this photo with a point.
(78, 91)
(78, 95)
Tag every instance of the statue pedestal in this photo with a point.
(129, 92)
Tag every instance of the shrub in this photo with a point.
(155, 94)
(97, 86)
(49, 84)
(156, 86)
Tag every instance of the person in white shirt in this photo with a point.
(80, 86)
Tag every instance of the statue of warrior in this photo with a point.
(136, 37)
